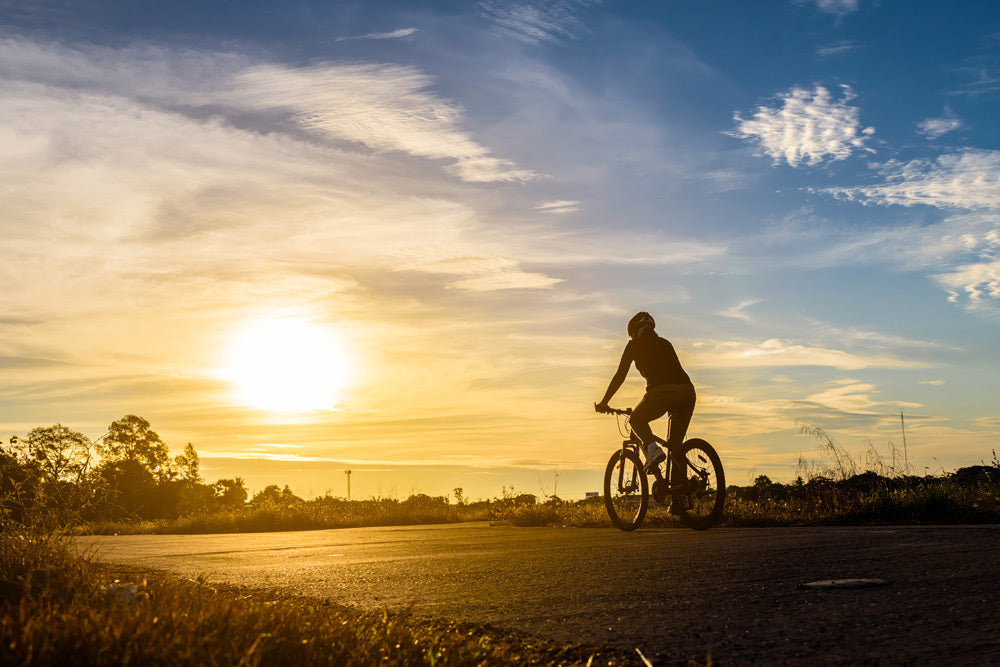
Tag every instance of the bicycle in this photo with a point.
(698, 501)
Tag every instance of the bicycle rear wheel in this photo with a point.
(706, 488)
(626, 491)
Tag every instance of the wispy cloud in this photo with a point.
(739, 311)
(834, 50)
(987, 422)
(806, 127)
(536, 22)
(838, 7)
(381, 107)
(558, 206)
(384, 107)
(968, 179)
(980, 73)
(279, 169)
(979, 282)
(933, 128)
(776, 353)
(855, 398)
(395, 34)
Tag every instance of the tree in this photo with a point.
(131, 439)
(19, 482)
(188, 464)
(231, 493)
(130, 487)
(274, 496)
(62, 454)
(196, 499)
(62, 459)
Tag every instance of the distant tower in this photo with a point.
(348, 473)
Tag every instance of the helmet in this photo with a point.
(638, 322)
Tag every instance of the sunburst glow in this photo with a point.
(288, 365)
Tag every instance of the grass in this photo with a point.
(919, 500)
(865, 498)
(320, 513)
(835, 493)
(57, 608)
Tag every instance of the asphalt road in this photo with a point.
(674, 594)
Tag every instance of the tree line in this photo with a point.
(57, 475)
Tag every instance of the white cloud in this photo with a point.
(968, 179)
(807, 127)
(933, 128)
(961, 253)
(775, 352)
(979, 282)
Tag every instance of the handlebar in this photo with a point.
(613, 411)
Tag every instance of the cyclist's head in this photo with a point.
(639, 323)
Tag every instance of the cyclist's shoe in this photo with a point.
(681, 503)
(654, 456)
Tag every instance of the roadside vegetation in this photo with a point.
(834, 489)
(57, 479)
(57, 608)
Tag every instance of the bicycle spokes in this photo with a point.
(705, 488)
(626, 495)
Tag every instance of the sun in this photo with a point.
(287, 365)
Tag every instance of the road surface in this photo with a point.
(674, 594)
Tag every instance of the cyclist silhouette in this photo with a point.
(668, 390)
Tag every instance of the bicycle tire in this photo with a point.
(708, 498)
(628, 501)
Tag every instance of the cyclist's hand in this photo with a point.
(602, 407)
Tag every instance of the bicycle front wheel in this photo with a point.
(706, 487)
(626, 491)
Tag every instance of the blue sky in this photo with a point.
(469, 200)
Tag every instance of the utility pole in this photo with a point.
(348, 473)
(902, 425)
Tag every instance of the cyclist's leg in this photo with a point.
(651, 407)
(681, 409)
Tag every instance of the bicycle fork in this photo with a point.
(632, 484)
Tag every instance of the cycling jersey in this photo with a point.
(655, 359)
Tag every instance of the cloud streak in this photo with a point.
(776, 353)
(838, 7)
(395, 34)
(384, 108)
(536, 22)
(968, 179)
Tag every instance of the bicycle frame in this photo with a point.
(633, 444)
(699, 492)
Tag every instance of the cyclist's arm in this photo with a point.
(619, 377)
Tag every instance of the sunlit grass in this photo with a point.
(317, 514)
(57, 608)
